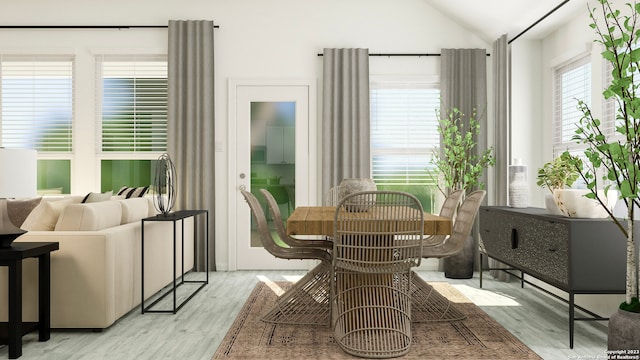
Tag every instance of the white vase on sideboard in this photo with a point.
(574, 203)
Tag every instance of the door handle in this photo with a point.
(514, 238)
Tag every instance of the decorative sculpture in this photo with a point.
(165, 184)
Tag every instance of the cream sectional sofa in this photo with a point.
(96, 273)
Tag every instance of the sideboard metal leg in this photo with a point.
(571, 318)
(480, 270)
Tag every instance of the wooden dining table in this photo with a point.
(319, 220)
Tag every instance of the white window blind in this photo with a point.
(37, 102)
(572, 83)
(404, 132)
(610, 106)
(133, 103)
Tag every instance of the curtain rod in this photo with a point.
(406, 54)
(87, 26)
(539, 20)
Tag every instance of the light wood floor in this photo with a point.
(541, 322)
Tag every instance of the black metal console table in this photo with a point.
(175, 217)
(12, 258)
(575, 255)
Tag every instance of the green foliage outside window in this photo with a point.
(133, 173)
(54, 176)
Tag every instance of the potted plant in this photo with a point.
(614, 158)
(459, 166)
(560, 173)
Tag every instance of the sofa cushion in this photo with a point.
(19, 209)
(130, 192)
(44, 216)
(90, 217)
(97, 197)
(134, 209)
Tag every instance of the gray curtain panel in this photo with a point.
(501, 102)
(345, 116)
(190, 128)
(501, 60)
(463, 85)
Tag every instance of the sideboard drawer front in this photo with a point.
(539, 246)
(496, 236)
(543, 249)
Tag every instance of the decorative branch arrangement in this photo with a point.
(613, 159)
(459, 166)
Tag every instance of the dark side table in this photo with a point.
(11, 333)
(178, 217)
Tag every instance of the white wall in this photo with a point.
(276, 39)
(527, 119)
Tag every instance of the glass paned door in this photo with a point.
(273, 158)
(271, 152)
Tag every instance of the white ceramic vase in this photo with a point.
(351, 186)
(519, 191)
(550, 205)
(518, 185)
(573, 203)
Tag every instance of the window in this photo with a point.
(572, 83)
(404, 134)
(37, 113)
(133, 118)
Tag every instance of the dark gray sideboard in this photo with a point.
(575, 255)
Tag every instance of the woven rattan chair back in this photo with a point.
(377, 239)
(378, 231)
(332, 197)
(280, 228)
(462, 227)
(451, 203)
(269, 242)
(447, 210)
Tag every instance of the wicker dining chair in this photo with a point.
(377, 240)
(427, 304)
(462, 227)
(307, 301)
(280, 227)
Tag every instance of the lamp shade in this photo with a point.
(18, 168)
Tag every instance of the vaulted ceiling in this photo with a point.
(492, 18)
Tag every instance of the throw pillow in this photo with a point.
(19, 209)
(97, 197)
(45, 215)
(130, 192)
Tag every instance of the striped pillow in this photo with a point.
(129, 192)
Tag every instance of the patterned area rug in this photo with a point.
(476, 337)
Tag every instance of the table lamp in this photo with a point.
(18, 169)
